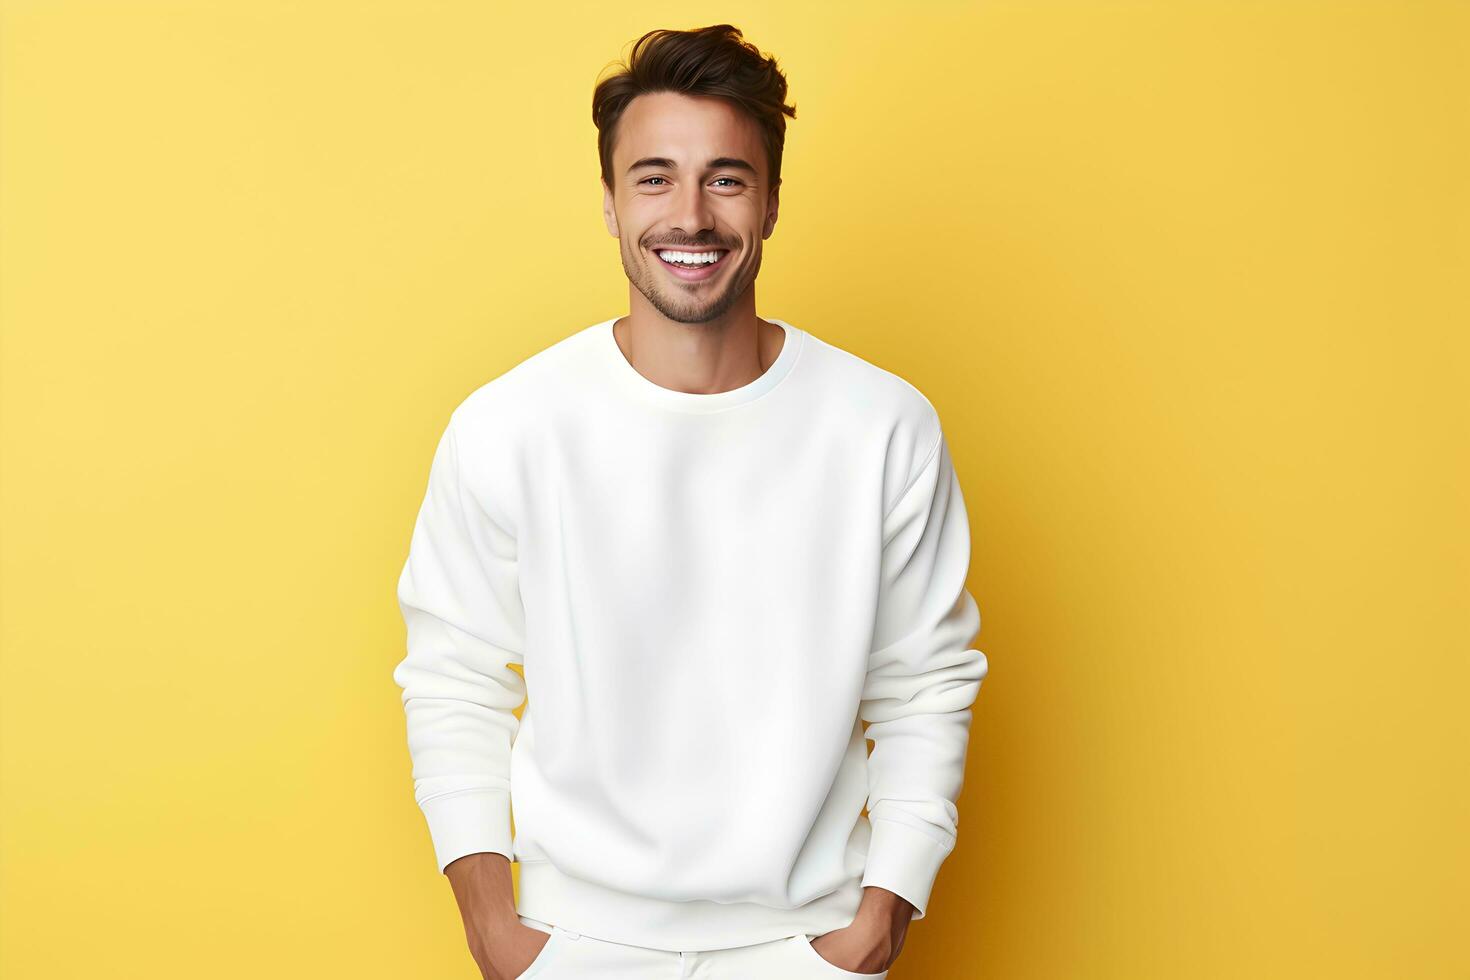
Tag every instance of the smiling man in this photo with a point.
(690, 225)
(716, 545)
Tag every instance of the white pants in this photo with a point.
(570, 956)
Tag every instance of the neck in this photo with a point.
(699, 358)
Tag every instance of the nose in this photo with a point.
(692, 213)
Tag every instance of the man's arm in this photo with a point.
(923, 676)
(460, 599)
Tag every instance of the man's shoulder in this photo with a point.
(884, 399)
(886, 408)
(529, 386)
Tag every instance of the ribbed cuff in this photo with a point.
(468, 822)
(905, 861)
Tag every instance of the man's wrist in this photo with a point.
(483, 889)
(885, 906)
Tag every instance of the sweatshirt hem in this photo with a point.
(548, 895)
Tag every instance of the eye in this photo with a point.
(647, 179)
(734, 179)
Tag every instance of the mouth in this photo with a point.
(692, 265)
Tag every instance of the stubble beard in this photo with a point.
(671, 300)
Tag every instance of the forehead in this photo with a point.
(686, 129)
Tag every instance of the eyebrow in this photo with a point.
(733, 163)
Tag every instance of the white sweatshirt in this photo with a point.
(706, 593)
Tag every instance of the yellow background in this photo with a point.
(1186, 281)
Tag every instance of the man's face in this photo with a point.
(681, 181)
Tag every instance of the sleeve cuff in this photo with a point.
(468, 822)
(905, 861)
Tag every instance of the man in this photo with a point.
(715, 544)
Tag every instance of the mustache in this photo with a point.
(690, 245)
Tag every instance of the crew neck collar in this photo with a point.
(686, 401)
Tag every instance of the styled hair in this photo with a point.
(709, 61)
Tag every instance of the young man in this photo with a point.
(715, 544)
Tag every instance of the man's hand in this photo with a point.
(503, 946)
(506, 951)
(873, 941)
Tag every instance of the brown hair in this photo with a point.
(711, 61)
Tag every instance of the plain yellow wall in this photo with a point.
(1187, 282)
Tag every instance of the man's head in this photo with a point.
(690, 136)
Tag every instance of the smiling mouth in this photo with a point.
(691, 258)
(692, 265)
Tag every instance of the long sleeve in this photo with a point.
(922, 679)
(460, 599)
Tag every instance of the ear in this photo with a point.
(772, 206)
(609, 214)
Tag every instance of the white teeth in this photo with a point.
(689, 258)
